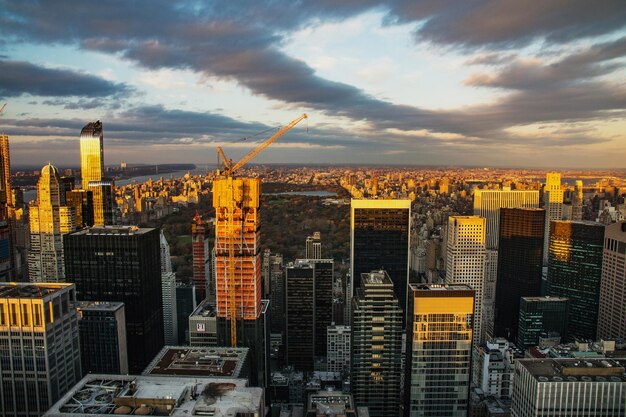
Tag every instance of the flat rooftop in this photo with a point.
(575, 370)
(204, 309)
(99, 305)
(376, 277)
(113, 230)
(125, 395)
(30, 290)
(539, 299)
(440, 287)
(222, 362)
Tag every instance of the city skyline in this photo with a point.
(383, 82)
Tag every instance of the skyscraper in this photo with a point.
(612, 312)
(553, 204)
(338, 356)
(574, 272)
(487, 204)
(82, 201)
(314, 246)
(50, 219)
(7, 215)
(122, 264)
(185, 304)
(520, 260)
(102, 330)
(465, 261)
(577, 201)
(168, 290)
(377, 345)
(439, 350)
(379, 239)
(38, 345)
(92, 172)
(201, 256)
(539, 315)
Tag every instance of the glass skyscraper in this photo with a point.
(539, 315)
(574, 272)
(92, 172)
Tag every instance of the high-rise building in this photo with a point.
(612, 312)
(577, 201)
(82, 201)
(380, 239)
(50, 220)
(338, 356)
(168, 290)
(568, 388)
(92, 172)
(314, 246)
(487, 204)
(185, 304)
(7, 215)
(553, 204)
(520, 261)
(539, 315)
(102, 331)
(201, 256)
(39, 346)
(376, 360)
(277, 293)
(489, 294)
(122, 264)
(574, 272)
(203, 325)
(439, 350)
(465, 261)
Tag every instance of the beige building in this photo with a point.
(553, 204)
(612, 310)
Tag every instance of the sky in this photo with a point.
(494, 83)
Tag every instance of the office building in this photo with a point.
(377, 345)
(216, 362)
(92, 173)
(541, 315)
(338, 348)
(203, 325)
(574, 272)
(122, 264)
(201, 256)
(439, 350)
(487, 204)
(612, 311)
(496, 362)
(82, 201)
(7, 215)
(314, 246)
(465, 261)
(489, 294)
(170, 316)
(553, 204)
(50, 220)
(577, 201)
(102, 331)
(185, 304)
(160, 395)
(569, 388)
(308, 313)
(276, 276)
(520, 261)
(166, 257)
(331, 403)
(40, 354)
(380, 239)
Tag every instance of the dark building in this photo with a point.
(185, 305)
(520, 258)
(309, 310)
(82, 201)
(574, 272)
(538, 315)
(276, 275)
(376, 361)
(105, 191)
(102, 332)
(122, 264)
(380, 233)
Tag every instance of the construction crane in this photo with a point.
(226, 201)
(2, 108)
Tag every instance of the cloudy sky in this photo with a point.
(536, 83)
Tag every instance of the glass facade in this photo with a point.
(539, 315)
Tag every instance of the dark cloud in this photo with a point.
(19, 77)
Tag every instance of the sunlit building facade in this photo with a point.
(439, 350)
(553, 204)
(612, 313)
(92, 172)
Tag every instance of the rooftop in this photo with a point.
(30, 290)
(575, 370)
(113, 230)
(223, 362)
(376, 277)
(100, 305)
(103, 395)
(204, 309)
(440, 287)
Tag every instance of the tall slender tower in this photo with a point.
(465, 261)
(577, 201)
(92, 173)
(7, 214)
(201, 256)
(553, 204)
(50, 219)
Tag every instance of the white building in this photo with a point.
(612, 310)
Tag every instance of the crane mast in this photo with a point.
(230, 200)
